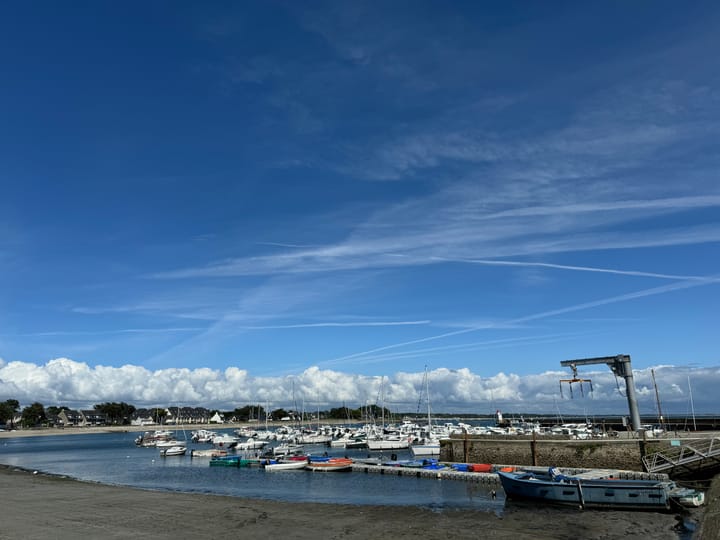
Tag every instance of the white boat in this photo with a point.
(178, 450)
(286, 465)
(691, 498)
(388, 443)
(169, 443)
(151, 438)
(223, 439)
(427, 449)
(283, 450)
(203, 436)
(211, 453)
(251, 444)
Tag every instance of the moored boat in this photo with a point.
(285, 465)
(330, 465)
(211, 453)
(178, 450)
(691, 498)
(556, 488)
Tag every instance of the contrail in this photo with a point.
(332, 324)
(545, 314)
(491, 262)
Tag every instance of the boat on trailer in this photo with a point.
(556, 488)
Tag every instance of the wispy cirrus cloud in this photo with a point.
(452, 226)
(668, 288)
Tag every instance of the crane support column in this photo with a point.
(620, 366)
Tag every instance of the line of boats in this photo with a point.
(420, 440)
(311, 463)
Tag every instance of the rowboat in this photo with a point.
(330, 465)
(285, 465)
(556, 488)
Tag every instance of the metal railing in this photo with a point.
(688, 453)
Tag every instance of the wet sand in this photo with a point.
(37, 506)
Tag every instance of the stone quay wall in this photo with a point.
(593, 453)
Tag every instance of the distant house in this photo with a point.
(142, 421)
(216, 419)
(69, 417)
(92, 417)
(88, 417)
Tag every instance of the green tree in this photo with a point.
(8, 410)
(33, 415)
(159, 415)
(117, 413)
(343, 413)
(247, 412)
(277, 414)
(53, 410)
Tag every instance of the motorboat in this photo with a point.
(554, 487)
(178, 450)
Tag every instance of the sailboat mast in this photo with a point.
(427, 393)
(657, 398)
(692, 406)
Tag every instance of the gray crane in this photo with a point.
(620, 366)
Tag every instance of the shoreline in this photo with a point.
(74, 430)
(37, 505)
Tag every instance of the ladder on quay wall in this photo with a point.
(691, 455)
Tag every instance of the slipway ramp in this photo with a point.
(690, 457)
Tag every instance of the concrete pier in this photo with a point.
(492, 478)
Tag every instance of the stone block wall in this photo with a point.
(596, 453)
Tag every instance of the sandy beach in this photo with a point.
(37, 506)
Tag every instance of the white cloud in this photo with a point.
(66, 382)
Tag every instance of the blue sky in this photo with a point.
(363, 188)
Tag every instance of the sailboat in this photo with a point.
(386, 439)
(430, 445)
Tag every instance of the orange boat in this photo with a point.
(332, 464)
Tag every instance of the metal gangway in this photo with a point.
(692, 455)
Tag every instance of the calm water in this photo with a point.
(113, 458)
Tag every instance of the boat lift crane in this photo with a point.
(575, 379)
(620, 366)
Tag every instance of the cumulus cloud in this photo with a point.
(63, 381)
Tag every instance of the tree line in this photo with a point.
(122, 413)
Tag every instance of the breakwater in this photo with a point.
(623, 454)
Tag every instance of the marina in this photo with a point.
(113, 458)
(378, 480)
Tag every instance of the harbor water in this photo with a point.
(113, 458)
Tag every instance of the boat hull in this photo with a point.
(387, 444)
(425, 450)
(622, 494)
(330, 465)
(286, 466)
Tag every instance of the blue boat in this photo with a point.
(556, 488)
